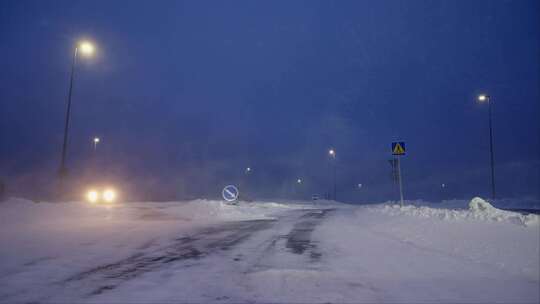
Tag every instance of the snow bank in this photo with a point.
(479, 210)
(501, 203)
(20, 211)
(201, 209)
(420, 254)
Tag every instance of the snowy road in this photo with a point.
(227, 241)
(290, 232)
(210, 252)
(198, 245)
(195, 246)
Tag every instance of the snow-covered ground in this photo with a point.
(209, 251)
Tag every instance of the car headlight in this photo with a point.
(92, 196)
(109, 195)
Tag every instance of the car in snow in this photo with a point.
(101, 195)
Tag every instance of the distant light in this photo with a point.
(299, 181)
(443, 185)
(359, 185)
(109, 195)
(332, 152)
(92, 196)
(96, 139)
(483, 98)
(86, 48)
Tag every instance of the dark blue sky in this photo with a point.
(185, 95)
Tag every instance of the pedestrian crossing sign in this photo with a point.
(398, 148)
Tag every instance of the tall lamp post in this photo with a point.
(86, 48)
(483, 98)
(332, 154)
(297, 189)
(245, 181)
(96, 142)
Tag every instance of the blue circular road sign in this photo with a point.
(230, 193)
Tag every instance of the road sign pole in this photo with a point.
(399, 178)
(398, 149)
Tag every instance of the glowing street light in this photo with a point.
(96, 141)
(248, 170)
(299, 181)
(332, 153)
(483, 98)
(87, 49)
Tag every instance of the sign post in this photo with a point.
(398, 149)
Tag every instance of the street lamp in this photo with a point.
(87, 49)
(248, 170)
(483, 98)
(332, 154)
(96, 141)
(299, 181)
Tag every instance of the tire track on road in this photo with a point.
(299, 239)
(202, 243)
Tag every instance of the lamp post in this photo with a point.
(483, 98)
(87, 49)
(296, 187)
(244, 182)
(96, 142)
(332, 154)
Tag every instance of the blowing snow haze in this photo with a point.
(185, 95)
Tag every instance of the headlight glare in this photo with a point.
(92, 196)
(109, 195)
